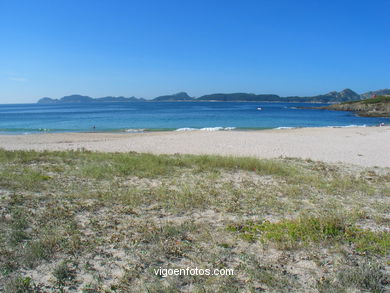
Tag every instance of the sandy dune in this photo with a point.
(369, 146)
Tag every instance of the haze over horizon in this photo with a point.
(153, 48)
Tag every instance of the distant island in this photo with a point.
(86, 99)
(345, 95)
(372, 107)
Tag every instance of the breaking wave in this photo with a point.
(206, 129)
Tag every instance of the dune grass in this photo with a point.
(306, 230)
(102, 222)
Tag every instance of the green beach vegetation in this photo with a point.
(372, 107)
(103, 222)
(376, 100)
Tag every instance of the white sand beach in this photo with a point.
(364, 146)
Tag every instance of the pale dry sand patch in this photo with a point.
(355, 145)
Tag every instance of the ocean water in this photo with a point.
(151, 116)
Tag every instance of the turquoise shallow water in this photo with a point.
(149, 116)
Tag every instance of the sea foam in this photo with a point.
(186, 129)
(206, 129)
(285, 127)
(347, 126)
(131, 130)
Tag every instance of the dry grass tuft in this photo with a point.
(82, 221)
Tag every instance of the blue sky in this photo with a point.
(149, 48)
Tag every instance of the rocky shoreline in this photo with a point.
(374, 107)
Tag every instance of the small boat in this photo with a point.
(259, 109)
